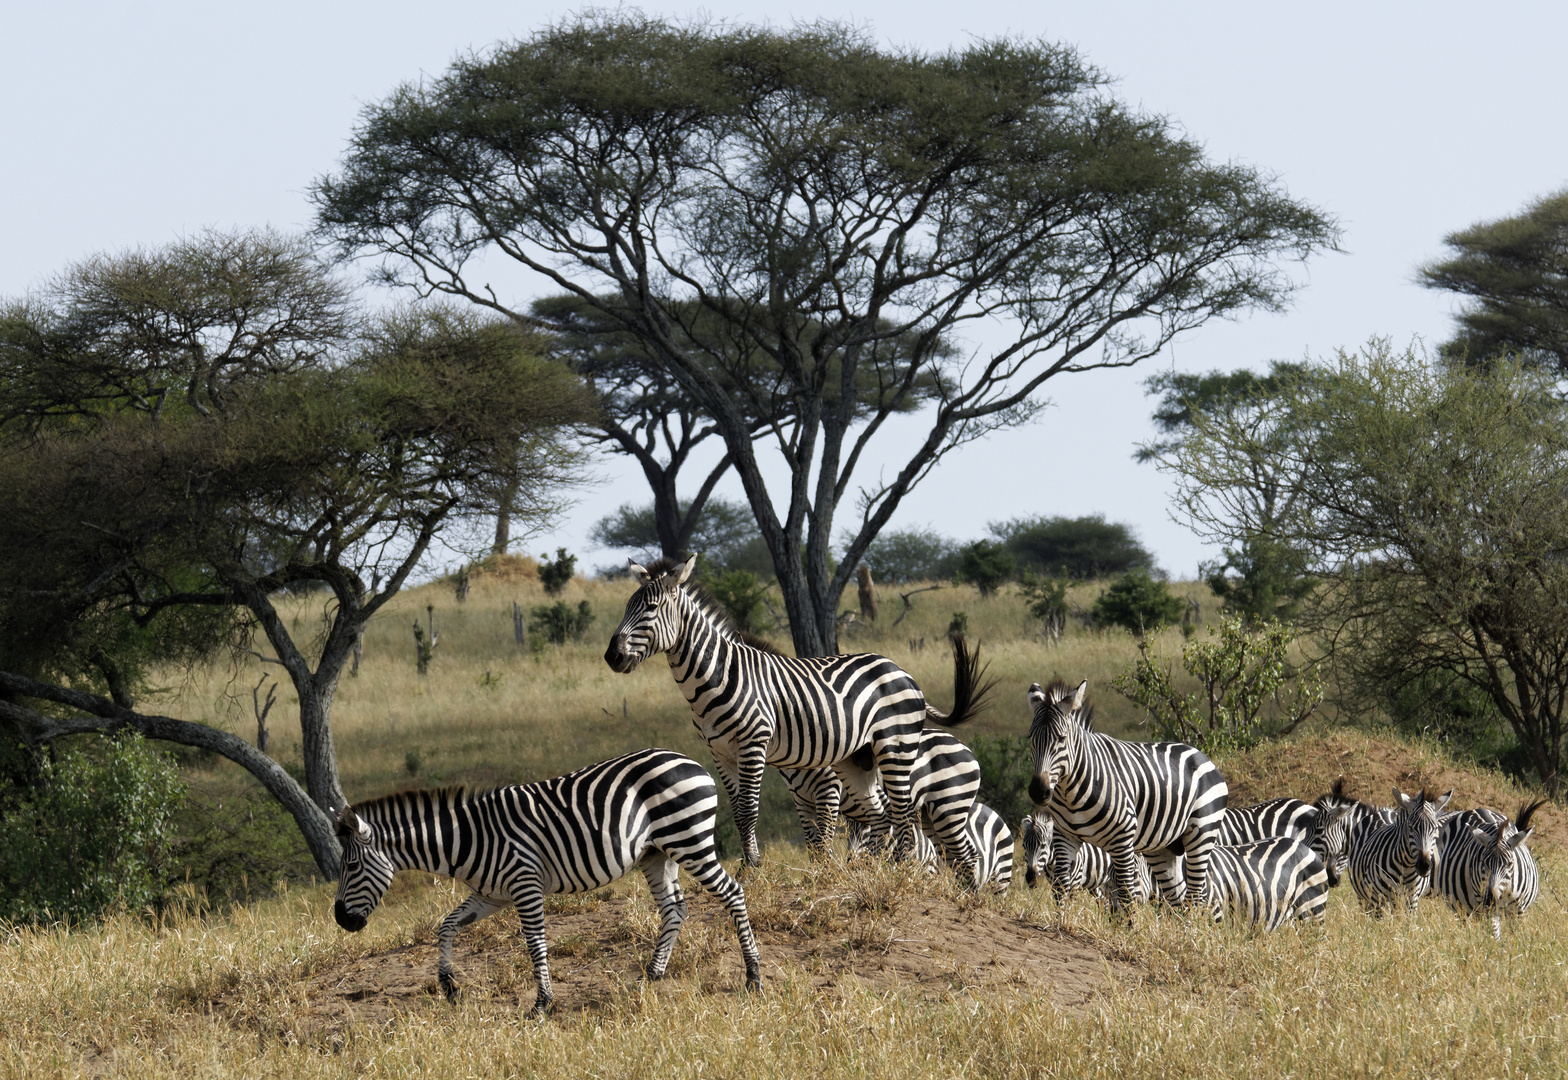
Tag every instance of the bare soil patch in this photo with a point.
(928, 945)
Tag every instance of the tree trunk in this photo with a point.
(868, 595)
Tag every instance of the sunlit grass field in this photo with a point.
(201, 992)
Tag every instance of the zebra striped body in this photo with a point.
(1268, 881)
(1150, 799)
(994, 842)
(1483, 864)
(755, 707)
(943, 784)
(654, 809)
(1276, 817)
(1392, 864)
(1340, 824)
(1068, 865)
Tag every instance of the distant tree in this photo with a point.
(805, 196)
(1245, 474)
(1138, 602)
(193, 433)
(985, 565)
(1430, 499)
(555, 574)
(724, 534)
(898, 556)
(1082, 547)
(1514, 274)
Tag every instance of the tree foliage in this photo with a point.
(807, 197)
(899, 556)
(723, 533)
(1139, 602)
(163, 477)
(1082, 547)
(985, 565)
(1430, 499)
(1513, 274)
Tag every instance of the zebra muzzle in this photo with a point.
(347, 919)
(1039, 794)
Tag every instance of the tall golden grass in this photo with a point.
(137, 995)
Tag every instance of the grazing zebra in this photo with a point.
(942, 785)
(1153, 799)
(1266, 882)
(511, 845)
(1276, 817)
(755, 707)
(1068, 865)
(1483, 864)
(1394, 862)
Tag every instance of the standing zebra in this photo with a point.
(1266, 882)
(943, 783)
(654, 809)
(1341, 823)
(1394, 862)
(1153, 799)
(1068, 865)
(1483, 864)
(755, 707)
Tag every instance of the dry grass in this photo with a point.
(241, 994)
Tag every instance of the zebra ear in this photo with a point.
(1402, 799)
(1080, 693)
(638, 572)
(1481, 836)
(1444, 800)
(685, 570)
(1517, 840)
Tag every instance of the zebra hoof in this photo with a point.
(448, 986)
(541, 1006)
(754, 979)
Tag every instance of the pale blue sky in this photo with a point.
(133, 124)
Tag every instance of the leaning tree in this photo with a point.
(816, 197)
(190, 435)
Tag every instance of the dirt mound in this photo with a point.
(933, 945)
(1372, 767)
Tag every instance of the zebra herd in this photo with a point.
(1130, 821)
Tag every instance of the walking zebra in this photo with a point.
(755, 707)
(943, 783)
(1265, 882)
(511, 845)
(1153, 799)
(1394, 862)
(1068, 865)
(1483, 864)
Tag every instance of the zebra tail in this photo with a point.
(970, 689)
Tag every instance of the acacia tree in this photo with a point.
(818, 197)
(1431, 499)
(1514, 273)
(146, 526)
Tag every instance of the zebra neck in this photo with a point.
(419, 830)
(704, 647)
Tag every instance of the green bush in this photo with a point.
(740, 593)
(985, 565)
(557, 624)
(1006, 767)
(1138, 602)
(554, 575)
(97, 831)
(236, 849)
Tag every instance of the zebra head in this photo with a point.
(652, 620)
(366, 874)
(1332, 842)
(1035, 833)
(1494, 872)
(1417, 819)
(1054, 733)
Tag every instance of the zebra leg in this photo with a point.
(956, 839)
(529, 898)
(701, 864)
(470, 911)
(865, 806)
(743, 803)
(1199, 846)
(1165, 873)
(1124, 874)
(663, 875)
(895, 758)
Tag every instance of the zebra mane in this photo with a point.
(1059, 690)
(706, 603)
(454, 795)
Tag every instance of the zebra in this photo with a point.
(1153, 799)
(1265, 882)
(1340, 824)
(1081, 866)
(755, 707)
(993, 841)
(1395, 861)
(511, 845)
(1275, 817)
(943, 783)
(1483, 864)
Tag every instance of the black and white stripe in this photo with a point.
(1260, 821)
(1392, 864)
(1484, 866)
(755, 707)
(511, 845)
(1068, 865)
(1153, 799)
(1341, 822)
(1265, 882)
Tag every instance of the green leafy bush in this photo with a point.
(96, 831)
(985, 565)
(1006, 767)
(1138, 602)
(555, 575)
(559, 623)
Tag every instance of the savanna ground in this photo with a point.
(870, 968)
